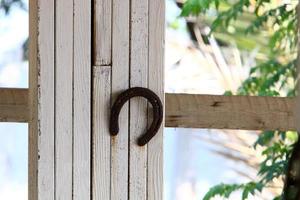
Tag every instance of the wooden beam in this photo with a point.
(191, 111)
(229, 112)
(13, 105)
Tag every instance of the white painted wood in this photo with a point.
(63, 99)
(102, 32)
(82, 101)
(41, 98)
(120, 82)
(101, 135)
(156, 84)
(138, 106)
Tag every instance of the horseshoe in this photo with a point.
(157, 112)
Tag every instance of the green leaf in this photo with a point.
(272, 29)
(251, 188)
(228, 93)
(224, 190)
(264, 138)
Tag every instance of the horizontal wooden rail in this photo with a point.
(191, 111)
(13, 105)
(229, 112)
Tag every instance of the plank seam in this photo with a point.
(93, 60)
(102, 65)
(54, 77)
(129, 102)
(73, 61)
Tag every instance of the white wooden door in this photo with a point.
(83, 54)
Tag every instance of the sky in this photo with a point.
(13, 136)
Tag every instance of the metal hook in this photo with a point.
(291, 189)
(157, 112)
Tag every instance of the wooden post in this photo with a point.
(69, 156)
(60, 99)
(128, 51)
(133, 57)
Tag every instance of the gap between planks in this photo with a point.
(104, 65)
(191, 111)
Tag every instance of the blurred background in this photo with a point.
(199, 59)
(13, 73)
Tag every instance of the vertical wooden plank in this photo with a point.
(82, 101)
(156, 84)
(41, 98)
(102, 32)
(138, 106)
(33, 102)
(120, 82)
(101, 136)
(63, 99)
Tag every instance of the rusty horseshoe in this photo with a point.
(157, 112)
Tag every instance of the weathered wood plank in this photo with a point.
(120, 82)
(186, 110)
(41, 100)
(14, 105)
(138, 106)
(229, 112)
(102, 32)
(63, 99)
(82, 100)
(156, 84)
(101, 135)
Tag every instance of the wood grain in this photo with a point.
(32, 97)
(156, 84)
(82, 100)
(120, 82)
(64, 99)
(41, 99)
(196, 111)
(101, 135)
(102, 32)
(229, 112)
(14, 105)
(138, 106)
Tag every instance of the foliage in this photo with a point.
(274, 76)
(6, 5)
(225, 190)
